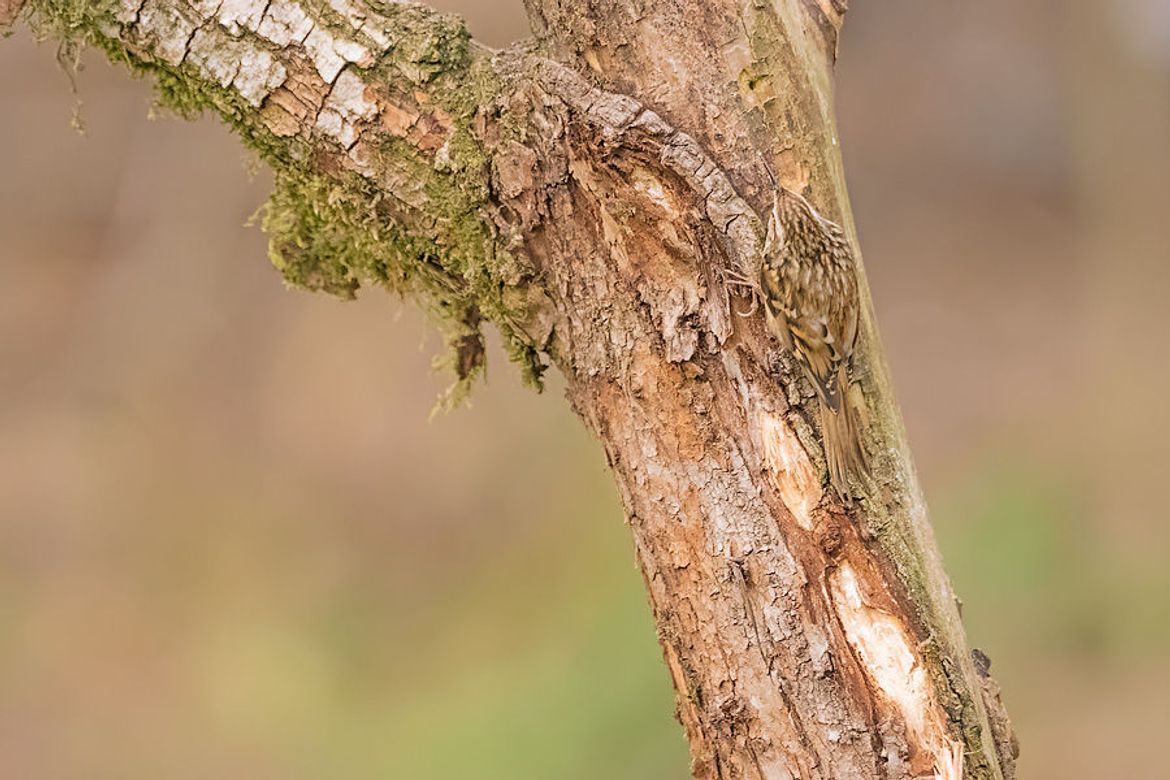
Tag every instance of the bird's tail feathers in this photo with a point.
(844, 452)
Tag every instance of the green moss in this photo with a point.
(69, 20)
(338, 233)
(430, 44)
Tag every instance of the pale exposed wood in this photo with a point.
(621, 174)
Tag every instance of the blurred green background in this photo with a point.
(232, 545)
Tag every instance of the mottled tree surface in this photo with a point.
(588, 192)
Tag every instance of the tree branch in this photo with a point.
(583, 192)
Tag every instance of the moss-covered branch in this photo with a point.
(367, 119)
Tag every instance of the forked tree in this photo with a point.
(604, 194)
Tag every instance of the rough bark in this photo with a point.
(585, 191)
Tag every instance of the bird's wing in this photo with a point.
(817, 349)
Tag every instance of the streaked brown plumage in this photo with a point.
(808, 283)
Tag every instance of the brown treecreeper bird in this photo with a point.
(808, 285)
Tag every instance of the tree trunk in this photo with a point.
(586, 192)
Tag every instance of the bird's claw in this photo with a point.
(736, 279)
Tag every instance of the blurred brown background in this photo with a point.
(232, 545)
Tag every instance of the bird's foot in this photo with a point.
(738, 280)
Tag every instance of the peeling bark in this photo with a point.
(586, 191)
